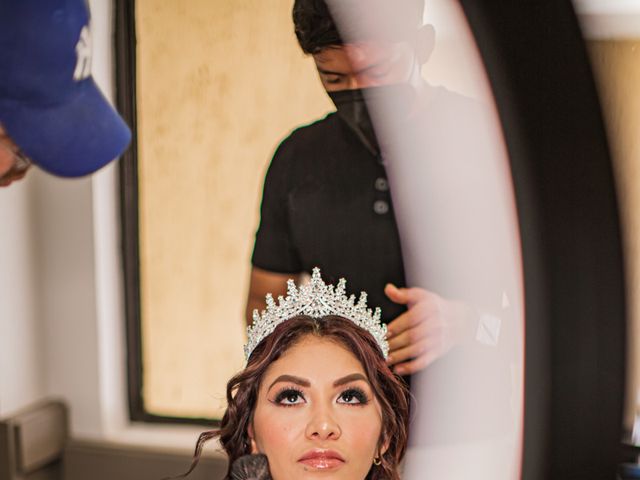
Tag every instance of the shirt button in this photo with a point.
(382, 185)
(381, 207)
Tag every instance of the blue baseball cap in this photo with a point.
(49, 104)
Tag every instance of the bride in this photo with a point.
(316, 395)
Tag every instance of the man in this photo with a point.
(327, 200)
(52, 113)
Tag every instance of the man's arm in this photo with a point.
(262, 282)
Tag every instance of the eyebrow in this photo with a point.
(342, 74)
(330, 72)
(305, 383)
(350, 378)
(291, 378)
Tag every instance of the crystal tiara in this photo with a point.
(316, 300)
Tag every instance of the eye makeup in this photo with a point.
(288, 397)
(353, 393)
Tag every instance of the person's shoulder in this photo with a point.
(301, 148)
(311, 134)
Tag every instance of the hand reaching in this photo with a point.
(429, 328)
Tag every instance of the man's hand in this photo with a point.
(428, 330)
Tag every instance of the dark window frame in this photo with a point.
(126, 98)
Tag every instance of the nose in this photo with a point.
(356, 81)
(323, 426)
(352, 82)
(359, 61)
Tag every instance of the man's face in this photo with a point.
(365, 65)
(10, 170)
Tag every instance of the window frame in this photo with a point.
(126, 82)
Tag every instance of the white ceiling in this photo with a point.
(599, 18)
(608, 7)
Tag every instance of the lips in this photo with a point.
(322, 459)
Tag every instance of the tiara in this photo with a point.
(316, 300)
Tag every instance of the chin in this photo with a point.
(303, 472)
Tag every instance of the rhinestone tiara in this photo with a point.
(316, 300)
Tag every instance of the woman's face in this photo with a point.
(316, 415)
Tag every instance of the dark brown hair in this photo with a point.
(316, 29)
(242, 389)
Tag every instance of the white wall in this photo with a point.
(67, 296)
(21, 357)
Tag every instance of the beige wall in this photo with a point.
(617, 66)
(220, 83)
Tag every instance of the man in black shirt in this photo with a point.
(326, 199)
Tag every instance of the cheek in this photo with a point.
(363, 434)
(275, 431)
(360, 437)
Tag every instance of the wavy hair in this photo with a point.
(242, 390)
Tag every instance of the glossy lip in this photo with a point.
(320, 459)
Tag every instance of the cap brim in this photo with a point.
(72, 139)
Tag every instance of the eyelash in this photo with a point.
(357, 393)
(288, 392)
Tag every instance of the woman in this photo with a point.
(316, 395)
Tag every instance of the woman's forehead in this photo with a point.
(317, 359)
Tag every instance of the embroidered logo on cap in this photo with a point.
(84, 49)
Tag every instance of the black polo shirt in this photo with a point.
(326, 203)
